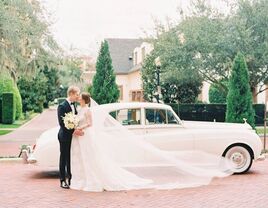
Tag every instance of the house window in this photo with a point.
(143, 53)
(120, 87)
(137, 96)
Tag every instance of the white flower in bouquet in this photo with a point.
(70, 121)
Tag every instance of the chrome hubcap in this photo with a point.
(240, 157)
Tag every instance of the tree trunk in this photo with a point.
(254, 94)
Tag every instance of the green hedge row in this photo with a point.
(8, 108)
(7, 85)
(0, 110)
(212, 112)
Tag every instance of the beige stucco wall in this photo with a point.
(204, 96)
(129, 82)
(122, 80)
(148, 49)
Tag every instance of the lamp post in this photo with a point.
(158, 67)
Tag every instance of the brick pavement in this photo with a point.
(29, 186)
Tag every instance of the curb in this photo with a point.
(11, 160)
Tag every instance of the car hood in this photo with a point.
(217, 125)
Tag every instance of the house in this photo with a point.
(127, 57)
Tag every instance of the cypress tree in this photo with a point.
(104, 88)
(239, 98)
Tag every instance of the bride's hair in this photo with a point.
(86, 97)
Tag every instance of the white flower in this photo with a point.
(70, 121)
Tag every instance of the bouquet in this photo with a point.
(70, 121)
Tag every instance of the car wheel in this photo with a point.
(240, 157)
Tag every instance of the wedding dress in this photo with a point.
(110, 157)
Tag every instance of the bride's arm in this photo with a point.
(88, 121)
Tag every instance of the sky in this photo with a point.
(81, 25)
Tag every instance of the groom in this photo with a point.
(65, 136)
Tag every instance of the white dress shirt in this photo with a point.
(72, 106)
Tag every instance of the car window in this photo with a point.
(127, 116)
(171, 118)
(155, 116)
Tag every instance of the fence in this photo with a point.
(212, 112)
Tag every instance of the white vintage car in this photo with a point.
(159, 125)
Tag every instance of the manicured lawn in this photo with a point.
(261, 130)
(9, 126)
(18, 123)
(3, 132)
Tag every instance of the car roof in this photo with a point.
(114, 106)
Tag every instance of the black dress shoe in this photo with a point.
(64, 185)
(69, 181)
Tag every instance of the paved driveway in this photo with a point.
(26, 134)
(28, 186)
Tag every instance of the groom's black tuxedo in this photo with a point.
(65, 139)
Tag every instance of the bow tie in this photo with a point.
(72, 103)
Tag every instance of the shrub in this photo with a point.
(33, 92)
(239, 98)
(216, 95)
(18, 102)
(8, 108)
(0, 110)
(7, 85)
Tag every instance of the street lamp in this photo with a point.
(158, 66)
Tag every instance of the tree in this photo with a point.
(149, 82)
(214, 38)
(179, 81)
(239, 98)
(52, 85)
(215, 94)
(70, 72)
(25, 42)
(104, 89)
(33, 92)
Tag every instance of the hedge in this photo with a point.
(212, 112)
(8, 108)
(0, 110)
(7, 85)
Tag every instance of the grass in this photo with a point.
(9, 126)
(3, 132)
(18, 123)
(260, 130)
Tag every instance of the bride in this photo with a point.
(110, 157)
